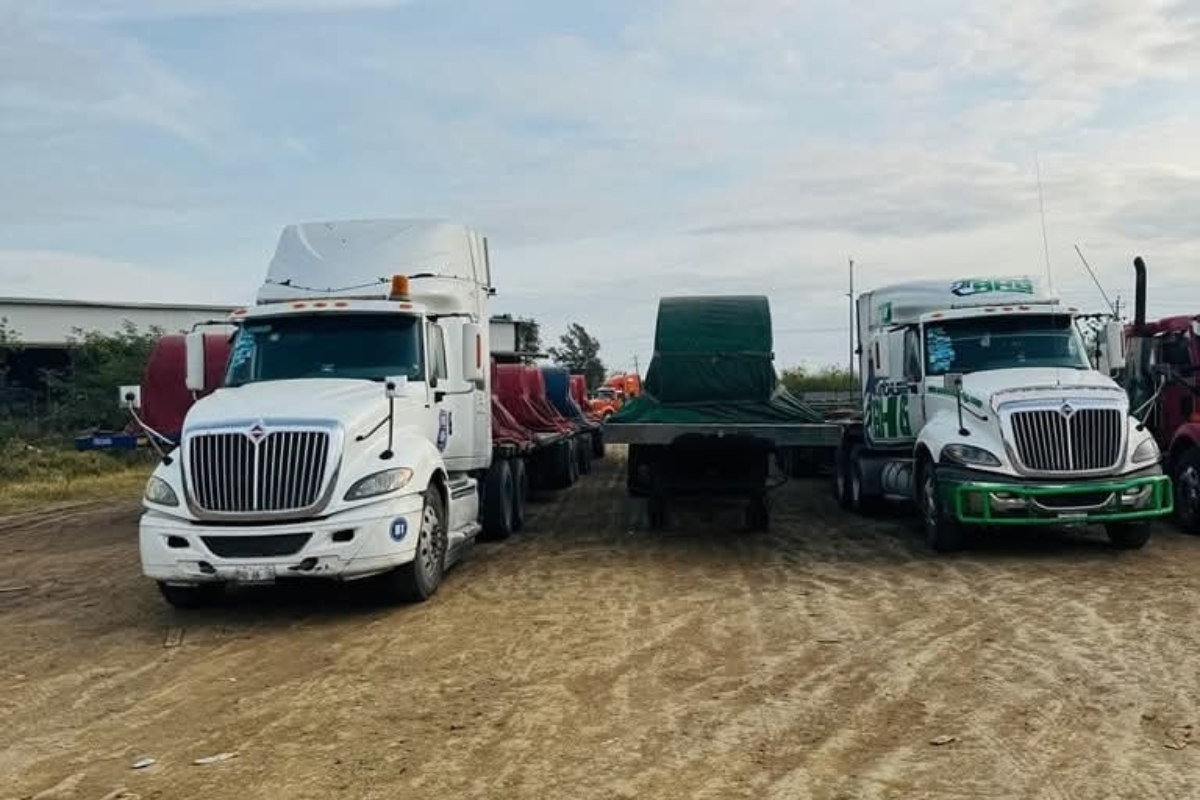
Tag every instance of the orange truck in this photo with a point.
(613, 393)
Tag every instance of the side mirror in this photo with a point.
(1113, 356)
(130, 397)
(396, 387)
(194, 347)
(472, 354)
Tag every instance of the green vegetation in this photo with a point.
(799, 380)
(580, 353)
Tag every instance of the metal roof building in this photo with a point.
(47, 323)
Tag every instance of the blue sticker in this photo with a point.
(443, 433)
(399, 529)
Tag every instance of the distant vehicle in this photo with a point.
(352, 433)
(1160, 375)
(981, 405)
(614, 393)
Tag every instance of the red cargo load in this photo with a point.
(535, 386)
(512, 389)
(165, 398)
(505, 427)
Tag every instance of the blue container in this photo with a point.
(558, 390)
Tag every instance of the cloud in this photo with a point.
(75, 276)
(94, 10)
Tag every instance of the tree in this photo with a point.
(84, 395)
(10, 343)
(580, 353)
(529, 337)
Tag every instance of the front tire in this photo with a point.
(420, 578)
(943, 533)
(192, 597)
(1187, 491)
(1127, 535)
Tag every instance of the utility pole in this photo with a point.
(636, 370)
(850, 295)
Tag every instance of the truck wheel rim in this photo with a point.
(1189, 482)
(430, 547)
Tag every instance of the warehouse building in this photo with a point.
(45, 328)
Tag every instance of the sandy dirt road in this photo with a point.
(590, 658)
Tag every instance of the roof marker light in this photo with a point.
(299, 305)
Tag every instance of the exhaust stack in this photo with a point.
(1139, 296)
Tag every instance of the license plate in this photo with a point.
(254, 574)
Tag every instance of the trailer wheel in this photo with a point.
(1127, 535)
(189, 597)
(563, 465)
(572, 461)
(841, 478)
(584, 453)
(520, 478)
(657, 511)
(498, 494)
(758, 514)
(419, 579)
(598, 444)
(1187, 491)
(862, 503)
(633, 466)
(942, 531)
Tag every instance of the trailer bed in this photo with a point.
(816, 434)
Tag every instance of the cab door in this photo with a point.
(914, 379)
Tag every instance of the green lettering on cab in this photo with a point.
(889, 417)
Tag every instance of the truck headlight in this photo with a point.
(1146, 451)
(160, 492)
(971, 455)
(389, 480)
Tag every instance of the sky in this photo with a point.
(613, 152)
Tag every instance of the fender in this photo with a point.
(412, 449)
(1187, 437)
(942, 429)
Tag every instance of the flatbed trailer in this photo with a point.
(670, 461)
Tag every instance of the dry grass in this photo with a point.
(122, 483)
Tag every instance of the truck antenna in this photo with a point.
(850, 295)
(1096, 281)
(1037, 164)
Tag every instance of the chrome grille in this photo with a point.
(1086, 440)
(231, 474)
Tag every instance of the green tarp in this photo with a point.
(713, 362)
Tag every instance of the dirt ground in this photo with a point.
(590, 658)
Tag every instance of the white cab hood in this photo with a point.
(1002, 385)
(350, 402)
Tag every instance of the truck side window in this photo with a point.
(912, 354)
(437, 353)
(1174, 351)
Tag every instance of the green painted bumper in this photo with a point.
(976, 502)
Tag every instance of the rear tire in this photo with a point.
(657, 511)
(563, 460)
(420, 578)
(572, 462)
(498, 494)
(598, 444)
(633, 478)
(943, 533)
(1127, 535)
(192, 597)
(520, 492)
(864, 504)
(1186, 478)
(584, 453)
(758, 515)
(841, 478)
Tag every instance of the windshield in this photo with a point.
(366, 346)
(976, 344)
(607, 394)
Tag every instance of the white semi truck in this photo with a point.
(981, 405)
(352, 435)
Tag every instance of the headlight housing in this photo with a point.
(971, 455)
(389, 480)
(1146, 451)
(160, 492)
